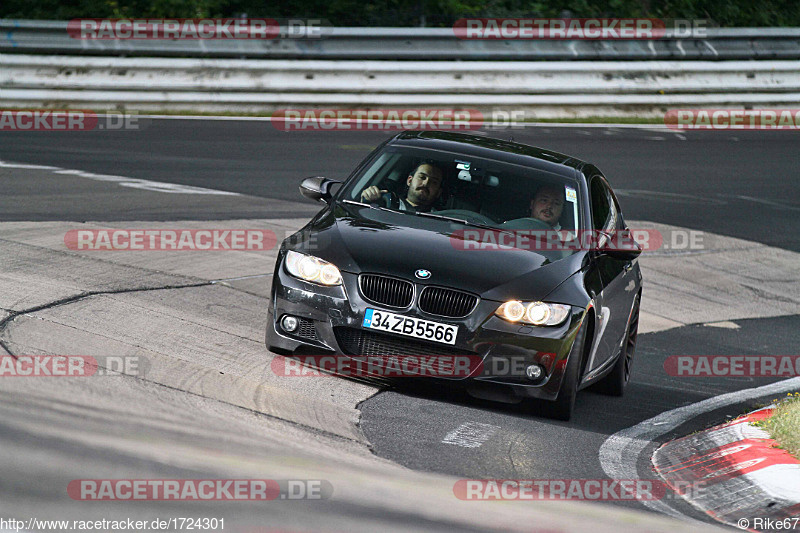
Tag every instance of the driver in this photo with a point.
(547, 205)
(424, 188)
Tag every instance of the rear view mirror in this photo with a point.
(318, 188)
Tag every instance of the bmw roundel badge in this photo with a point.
(422, 273)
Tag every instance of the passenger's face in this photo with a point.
(425, 185)
(547, 205)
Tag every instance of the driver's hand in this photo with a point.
(370, 194)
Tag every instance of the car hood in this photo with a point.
(361, 239)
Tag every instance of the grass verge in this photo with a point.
(565, 120)
(784, 424)
(267, 114)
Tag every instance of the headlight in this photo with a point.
(313, 269)
(536, 313)
(512, 311)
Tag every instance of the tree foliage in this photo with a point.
(728, 13)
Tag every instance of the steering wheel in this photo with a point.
(538, 224)
(469, 216)
(527, 223)
(389, 199)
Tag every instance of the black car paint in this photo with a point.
(359, 239)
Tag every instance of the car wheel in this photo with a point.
(614, 384)
(564, 405)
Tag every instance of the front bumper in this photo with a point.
(332, 316)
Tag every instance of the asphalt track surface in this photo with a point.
(409, 425)
(740, 184)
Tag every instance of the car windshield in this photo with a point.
(472, 190)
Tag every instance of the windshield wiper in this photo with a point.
(355, 203)
(461, 221)
(371, 206)
(430, 215)
(440, 217)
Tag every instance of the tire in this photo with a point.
(614, 383)
(564, 404)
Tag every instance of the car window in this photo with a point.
(379, 171)
(611, 223)
(619, 221)
(603, 212)
(477, 190)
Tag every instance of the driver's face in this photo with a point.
(425, 185)
(547, 205)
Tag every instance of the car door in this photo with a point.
(616, 274)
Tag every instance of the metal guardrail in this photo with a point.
(539, 89)
(418, 44)
(399, 67)
(396, 77)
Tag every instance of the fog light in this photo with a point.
(533, 372)
(289, 323)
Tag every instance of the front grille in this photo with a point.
(307, 329)
(355, 341)
(447, 302)
(386, 291)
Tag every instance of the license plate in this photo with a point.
(410, 326)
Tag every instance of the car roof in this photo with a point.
(491, 148)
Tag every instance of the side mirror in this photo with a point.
(318, 188)
(620, 245)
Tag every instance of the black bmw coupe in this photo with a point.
(446, 245)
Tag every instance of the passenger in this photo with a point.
(424, 188)
(547, 205)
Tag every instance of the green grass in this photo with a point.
(487, 115)
(601, 120)
(584, 120)
(784, 425)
